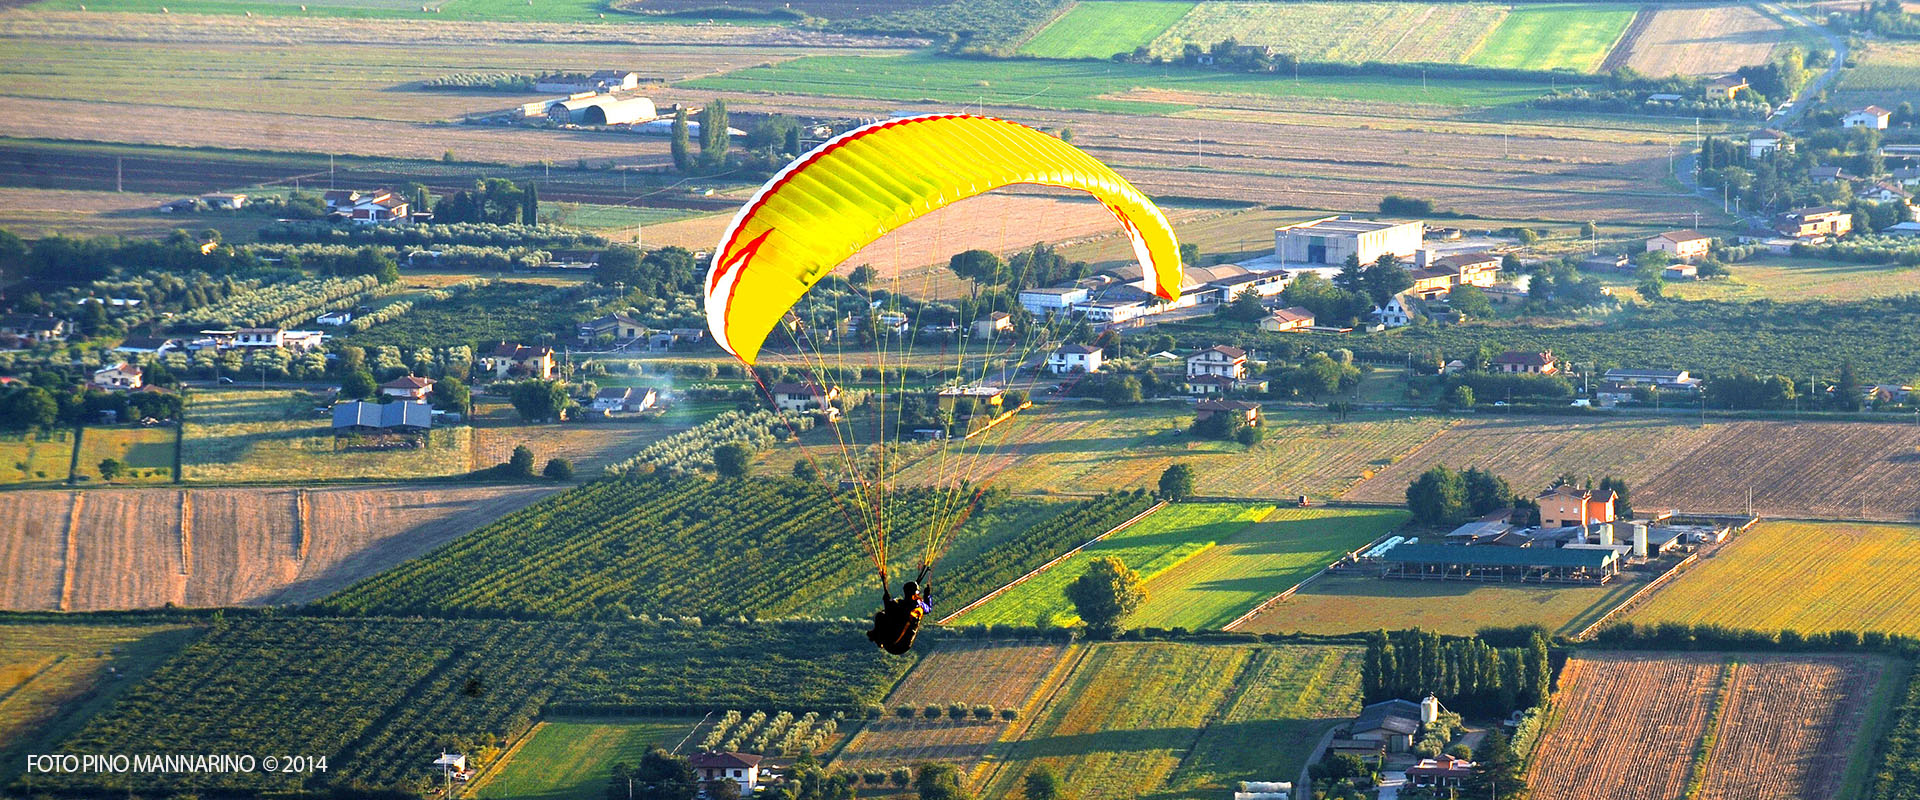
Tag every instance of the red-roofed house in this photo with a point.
(408, 387)
(1445, 771)
(741, 768)
(1873, 117)
(1542, 363)
(1564, 506)
(119, 377)
(1684, 245)
(520, 361)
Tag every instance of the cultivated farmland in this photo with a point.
(1287, 697)
(1085, 448)
(276, 435)
(1345, 32)
(1262, 560)
(1569, 37)
(1150, 547)
(1786, 280)
(570, 759)
(53, 676)
(36, 456)
(145, 548)
(1704, 40)
(145, 454)
(1629, 725)
(1001, 675)
(1530, 453)
(1805, 576)
(1888, 73)
(1101, 28)
(1354, 604)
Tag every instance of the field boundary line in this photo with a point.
(499, 765)
(72, 551)
(73, 461)
(1044, 567)
(1633, 599)
(1278, 598)
(186, 532)
(300, 536)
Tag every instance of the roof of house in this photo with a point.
(1398, 716)
(1348, 226)
(1874, 111)
(810, 389)
(1627, 373)
(1815, 211)
(1077, 349)
(723, 760)
(1824, 171)
(1054, 290)
(996, 316)
(258, 331)
(1888, 187)
(1683, 236)
(35, 321)
(144, 343)
(1431, 272)
(1226, 405)
(1728, 81)
(1293, 314)
(613, 393)
(362, 414)
(1524, 358)
(1229, 352)
(123, 366)
(1461, 260)
(1498, 556)
(409, 382)
(1766, 133)
(1445, 766)
(520, 352)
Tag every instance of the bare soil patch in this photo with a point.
(1703, 40)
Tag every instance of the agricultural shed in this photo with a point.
(363, 417)
(602, 109)
(1527, 564)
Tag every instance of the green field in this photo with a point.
(1805, 576)
(618, 219)
(1887, 73)
(1163, 720)
(922, 78)
(52, 677)
(1788, 279)
(1569, 37)
(1151, 547)
(571, 759)
(275, 435)
(1354, 604)
(1101, 28)
(1346, 32)
(1262, 560)
(146, 453)
(36, 457)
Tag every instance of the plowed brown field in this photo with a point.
(1712, 40)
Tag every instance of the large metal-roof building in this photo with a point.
(1570, 564)
(602, 109)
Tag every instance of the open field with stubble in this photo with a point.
(53, 676)
(1629, 725)
(1340, 604)
(1790, 280)
(145, 548)
(1704, 40)
(1002, 675)
(1848, 470)
(1083, 447)
(1805, 576)
(1262, 560)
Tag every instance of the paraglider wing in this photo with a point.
(824, 207)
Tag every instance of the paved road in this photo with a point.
(1816, 85)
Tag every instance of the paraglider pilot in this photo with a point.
(898, 620)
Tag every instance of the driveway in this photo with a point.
(1390, 783)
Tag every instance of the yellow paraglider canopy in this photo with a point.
(824, 207)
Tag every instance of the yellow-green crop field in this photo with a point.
(35, 456)
(1346, 32)
(146, 454)
(570, 759)
(1260, 561)
(1806, 576)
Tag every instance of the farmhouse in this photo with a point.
(1075, 358)
(1662, 378)
(119, 377)
(1566, 506)
(360, 417)
(1812, 223)
(1764, 142)
(1054, 299)
(619, 326)
(520, 361)
(1682, 245)
(36, 327)
(1331, 239)
(259, 337)
(1291, 318)
(334, 318)
(228, 202)
(1249, 413)
(1443, 772)
(377, 206)
(606, 80)
(992, 325)
(1873, 117)
(1517, 361)
(601, 109)
(741, 768)
(1885, 192)
(1827, 174)
(624, 399)
(1724, 88)
(807, 396)
(1680, 272)
(1397, 313)
(1229, 362)
(408, 388)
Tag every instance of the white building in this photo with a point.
(1762, 143)
(1873, 117)
(803, 396)
(1075, 358)
(259, 337)
(335, 318)
(1682, 245)
(622, 399)
(1398, 313)
(119, 377)
(1219, 360)
(1332, 239)
(741, 768)
(1054, 299)
(602, 109)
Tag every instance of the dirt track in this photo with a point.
(143, 548)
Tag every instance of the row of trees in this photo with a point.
(30, 407)
(1442, 497)
(1469, 675)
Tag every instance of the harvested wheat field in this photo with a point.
(1859, 578)
(1630, 726)
(1704, 40)
(143, 548)
(997, 674)
(1848, 470)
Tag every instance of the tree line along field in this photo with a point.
(1632, 725)
(53, 676)
(1160, 542)
(1166, 719)
(381, 698)
(146, 548)
(1803, 576)
(1847, 470)
(1261, 560)
(1082, 447)
(770, 547)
